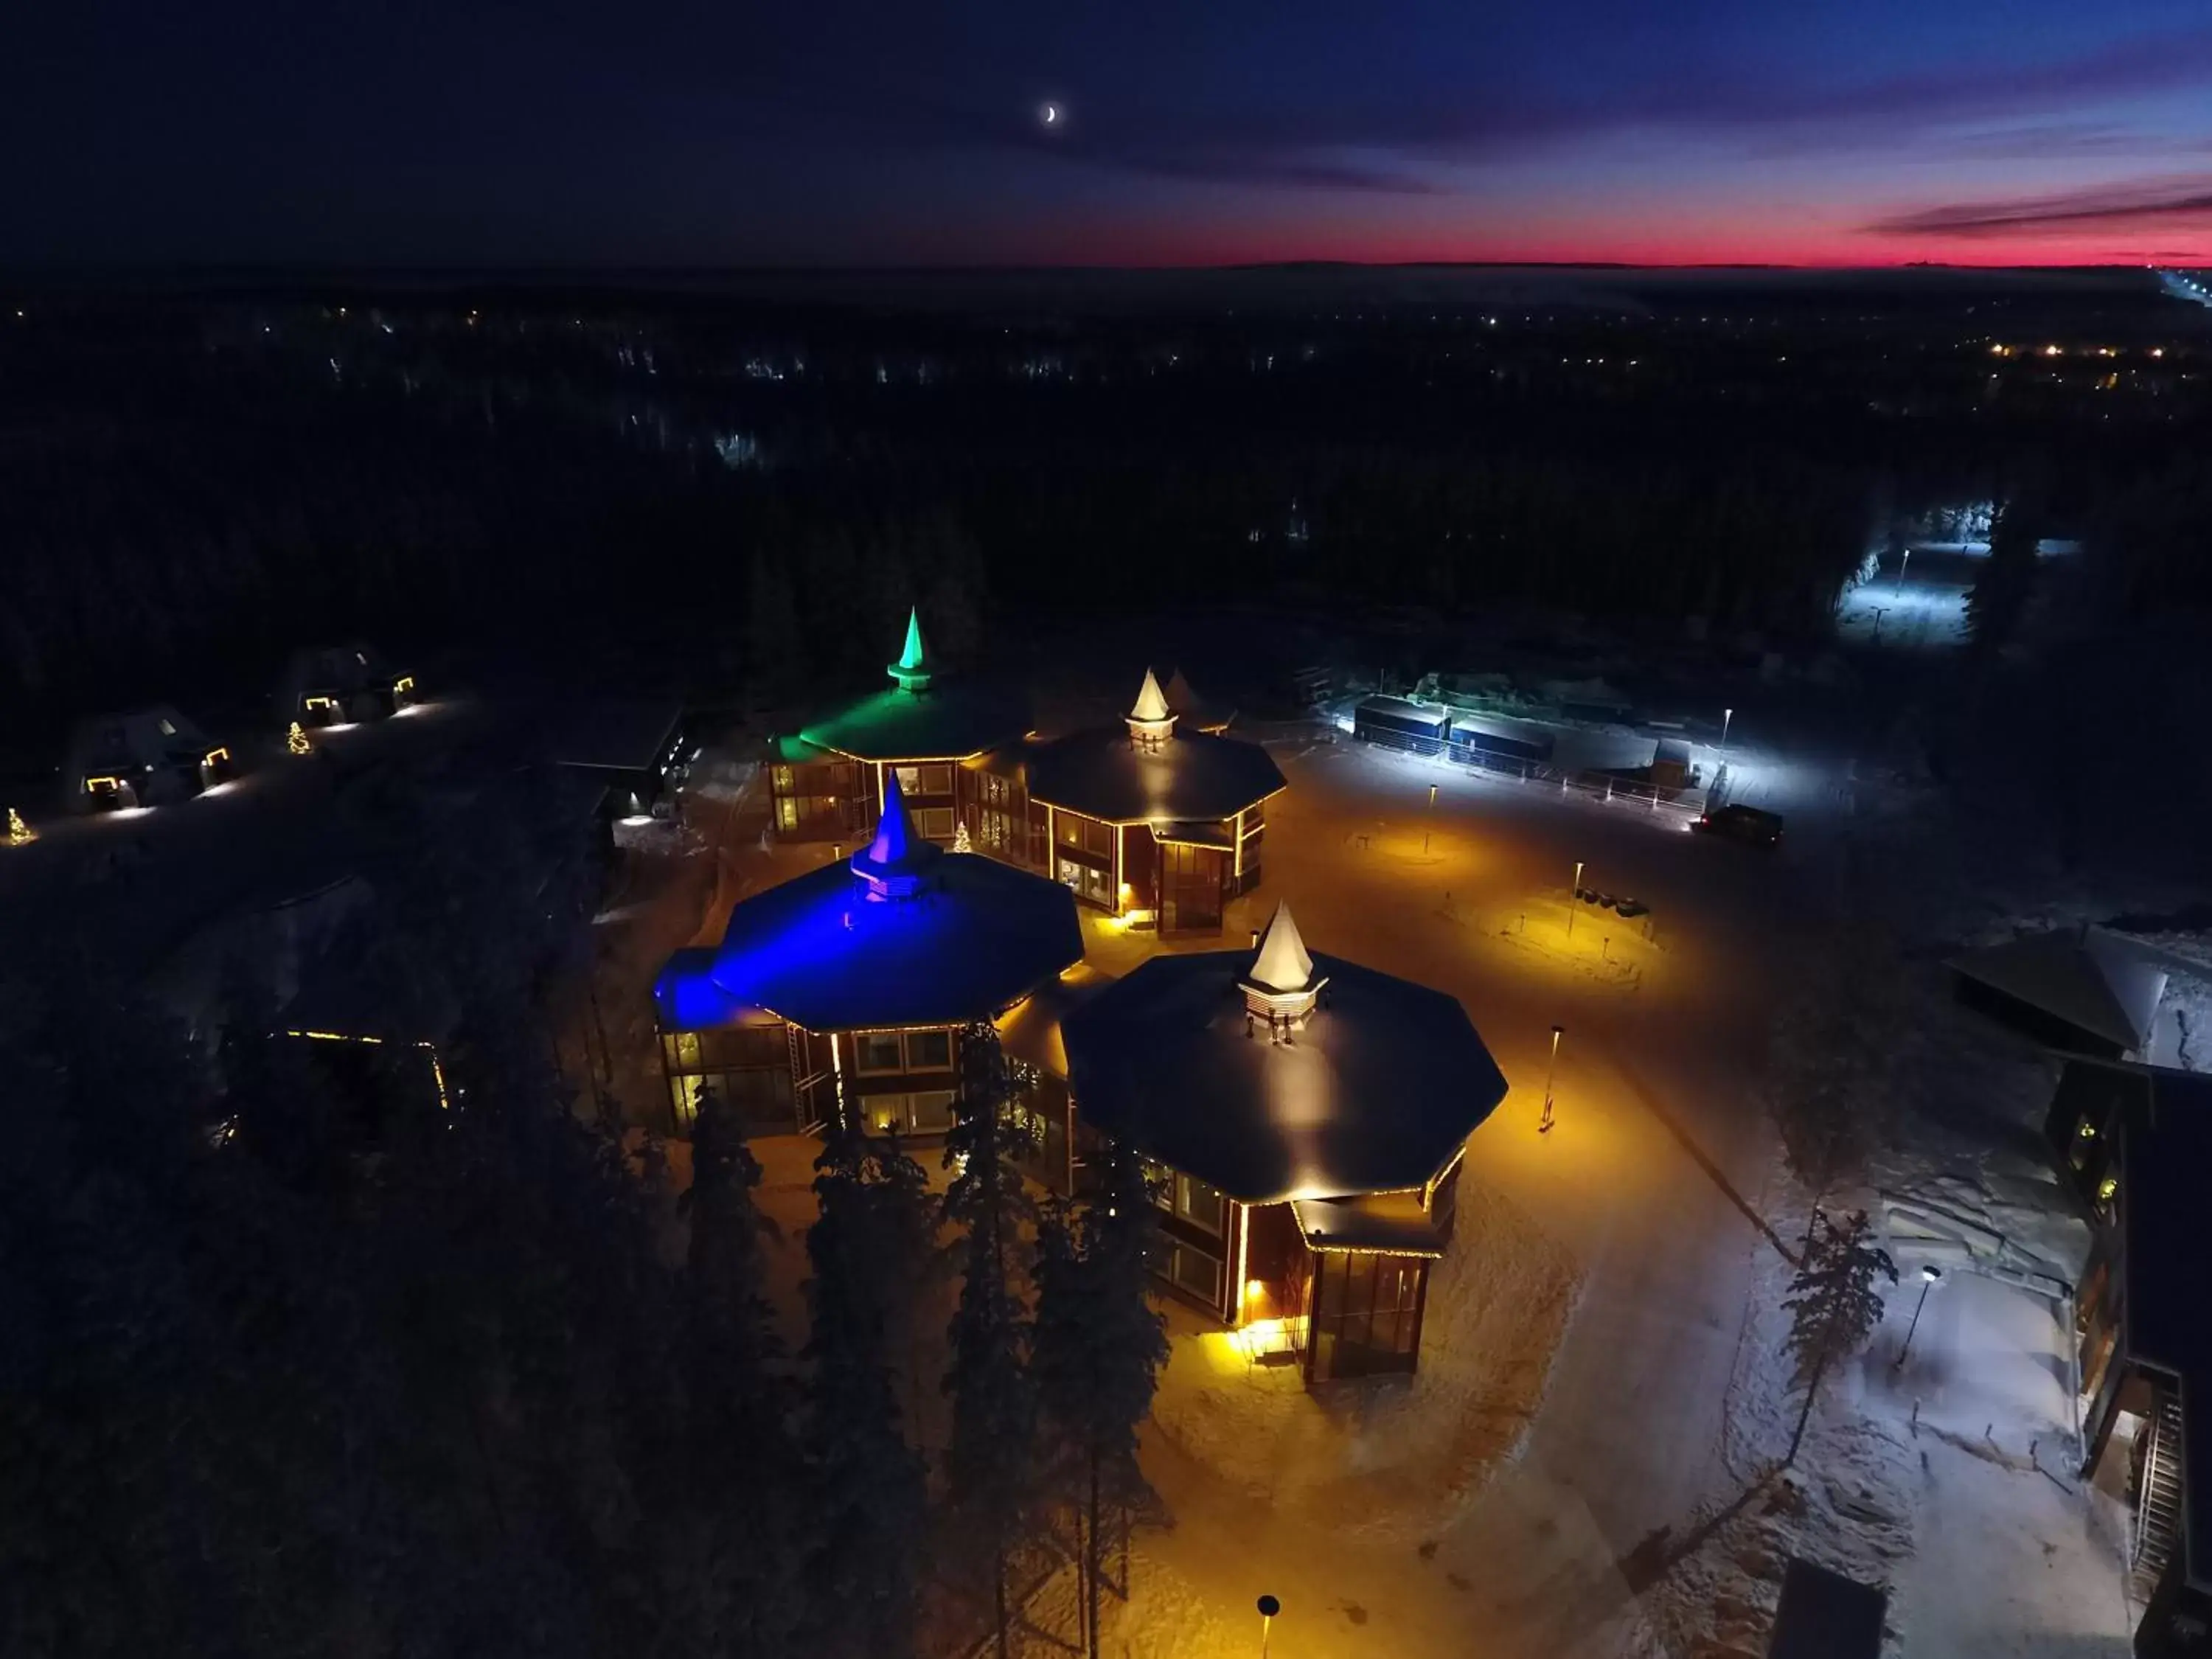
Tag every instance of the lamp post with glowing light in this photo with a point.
(1269, 1607)
(1574, 897)
(1728, 717)
(1928, 1276)
(1544, 1123)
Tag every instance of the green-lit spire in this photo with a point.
(912, 670)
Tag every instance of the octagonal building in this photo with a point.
(1306, 1117)
(854, 981)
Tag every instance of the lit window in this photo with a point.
(1199, 1204)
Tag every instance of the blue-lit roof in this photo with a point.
(829, 951)
(1374, 1093)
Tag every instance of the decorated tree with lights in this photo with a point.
(989, 1466)
(295, 740)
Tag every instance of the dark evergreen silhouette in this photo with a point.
(1833, 1305)
(1098, 1347)
(990, 1465)
(867, 1482)
(2006, 579)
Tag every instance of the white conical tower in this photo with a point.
(1280, 983)
(1151, 722)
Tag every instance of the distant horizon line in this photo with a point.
(48, 275)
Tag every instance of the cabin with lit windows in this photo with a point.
(2135, 1143)
(827, 782)
(1159, 825)
(847, 989)
(1305, 1117)
(142, 758)
(340, 685)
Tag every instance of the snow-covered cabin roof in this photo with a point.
(134, 740)
(2091, 981)
(615, 734)
(1374, 1093)
(903, 935)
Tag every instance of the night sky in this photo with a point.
(1187, 131)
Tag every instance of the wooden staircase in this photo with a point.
(2157, 1530)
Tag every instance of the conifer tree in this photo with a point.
(989, 1463)
(1833, 1305)
(867, 1481)
(1098, 1347)
(745, 1489)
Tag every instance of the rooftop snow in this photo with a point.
(2093, 980)
(1191, 775)
(1374, 1093)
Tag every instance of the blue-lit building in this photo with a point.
(1305, 1117)
(852, 983)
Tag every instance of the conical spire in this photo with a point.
(894, 863)
(1152, 705)
(1151, 722)
(912, 670)
(1283, 964)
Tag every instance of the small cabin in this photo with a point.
(328, 685)
(140, 758)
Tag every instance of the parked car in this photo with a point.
(1747, 824)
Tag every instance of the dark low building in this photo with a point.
(827, 782)
(1395, 723)
(1307, 1117)
(636, 747)
(1160, 826)
(340, 685)
(142, 758)
(2136, 1142)
(847, 989)
(2085, 991)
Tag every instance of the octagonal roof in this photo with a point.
(1374, 1092)
(901, 935)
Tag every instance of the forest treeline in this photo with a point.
(180, 512)
(312, 1360)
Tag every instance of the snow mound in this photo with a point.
(1394, 1457)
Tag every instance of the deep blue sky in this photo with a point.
(857, 131)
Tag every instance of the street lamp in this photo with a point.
(1544, 1123)
(1928, 1276)
(1726, 716)
(1903, 565)
(1574, 897)
(1269, 1607)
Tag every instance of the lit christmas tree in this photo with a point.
(18, 831)
(960, 840)
(296, 739)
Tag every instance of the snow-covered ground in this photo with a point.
(1607, 1527)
